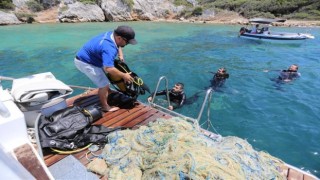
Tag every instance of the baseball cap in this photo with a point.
(126, 32)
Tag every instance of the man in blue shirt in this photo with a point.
(97, 57)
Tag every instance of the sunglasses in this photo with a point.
(126, 40)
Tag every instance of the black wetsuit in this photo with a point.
(288, 75)
(176, 97)
(218, 80)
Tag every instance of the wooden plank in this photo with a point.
(53, 159)
(110, 115)
(307, 177)
(91, 156)
(294, 174)
(83, 158)
(125, 117)
(124, 122)
(112, 118)
(151, 113)
(57, 157)
(87, 101)
(71, 100)
(26, 156)
(284, 170)
(47, 154)
(154, 118)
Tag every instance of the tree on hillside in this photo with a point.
(268, 8)
(6, 4)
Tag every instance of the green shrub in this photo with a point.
(34, 6)
(266, 8)
(25, 17)
(314, 12)
(182, 3)
(197, 11)
(185, 13)
(6, 4)
(303, 15)
(129, 3)
(88, 1)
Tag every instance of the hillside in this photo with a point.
(297, 12)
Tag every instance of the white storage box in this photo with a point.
(13, 131)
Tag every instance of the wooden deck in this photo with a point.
(133, 118)
(130, 118)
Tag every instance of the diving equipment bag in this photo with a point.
(133, 89)
(121, 100)
(71, 128)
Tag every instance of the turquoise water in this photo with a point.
(283, 120)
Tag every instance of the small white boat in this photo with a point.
(265, 34)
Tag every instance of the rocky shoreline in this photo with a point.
(78, 12)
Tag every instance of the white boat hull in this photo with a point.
(278, 37)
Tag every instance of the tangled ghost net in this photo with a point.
(174, 149)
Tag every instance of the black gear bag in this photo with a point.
(71, 128)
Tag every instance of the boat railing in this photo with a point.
(196, 121)
(168, 100)
(167, 90)
(207, 100)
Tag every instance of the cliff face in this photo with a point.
(8, 18)
(117, 10)
(107, 10)
(147, 10)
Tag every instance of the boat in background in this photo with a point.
(265, 34)
(21, 160)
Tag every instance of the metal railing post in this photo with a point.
(209, 91)
(154, 94)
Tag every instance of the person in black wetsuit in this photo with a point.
(290, 74)
(176, 96)
(285, 76)
(219, 78)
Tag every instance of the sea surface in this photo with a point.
(281, 119)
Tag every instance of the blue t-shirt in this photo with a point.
(99, 51)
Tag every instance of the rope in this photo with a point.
(137, 80)
(70, 152)
(88, 114)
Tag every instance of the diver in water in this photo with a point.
(290, 74)
(176, 96)
(219, 78)
(287, 75)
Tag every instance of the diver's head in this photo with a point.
(293, 68)
(178, 87)
(222, 70)
(222, 73)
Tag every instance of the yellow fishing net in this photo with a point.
(174, 149)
